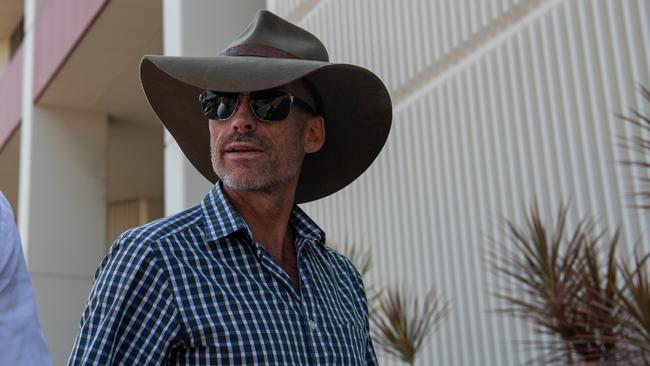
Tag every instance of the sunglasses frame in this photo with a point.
(203, 98)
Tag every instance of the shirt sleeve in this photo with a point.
(130, 316)
(371, 356)
(21, 339)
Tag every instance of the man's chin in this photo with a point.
(246, 184)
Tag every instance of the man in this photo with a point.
(245, 277)
(21, 339)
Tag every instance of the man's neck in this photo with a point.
(267, 215)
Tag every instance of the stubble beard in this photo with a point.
(278, 171)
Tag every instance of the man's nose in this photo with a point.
(243, 120)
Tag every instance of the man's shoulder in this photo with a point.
(350, 279)
(166, 227)
(342, 261)
(6, 214)
(143, 246)
(10, 249)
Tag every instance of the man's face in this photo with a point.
(253, 155)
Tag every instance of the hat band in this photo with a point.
(258, 50)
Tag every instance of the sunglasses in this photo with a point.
(266, 105)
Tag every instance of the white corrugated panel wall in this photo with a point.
(496, 102)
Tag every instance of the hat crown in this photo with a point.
(279, 38)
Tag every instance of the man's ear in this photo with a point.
(314, 134)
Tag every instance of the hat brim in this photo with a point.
(354, 103)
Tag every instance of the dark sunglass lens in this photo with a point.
(218, 106)
(226, 107)
(270, 105)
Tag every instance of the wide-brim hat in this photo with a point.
(269, 53)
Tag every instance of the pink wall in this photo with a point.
(58, 29)
(11, 90)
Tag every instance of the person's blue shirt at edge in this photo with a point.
(21, 339)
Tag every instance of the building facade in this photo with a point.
(496, 103)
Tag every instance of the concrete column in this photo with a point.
(62, 205)
(197, 28)
(65, 221)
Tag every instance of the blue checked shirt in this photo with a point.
(196, 289)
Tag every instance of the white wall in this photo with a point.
(496, 102)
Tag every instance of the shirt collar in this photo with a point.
(220, 219)
(305, 227)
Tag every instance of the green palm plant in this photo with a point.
(598, 300)
(641, 145)
(634, 298)
(560, 286)
(634, 295)
(401, 325)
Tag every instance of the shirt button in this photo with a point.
(312, 325)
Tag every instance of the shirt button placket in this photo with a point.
(307, 320)
(310, 329)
